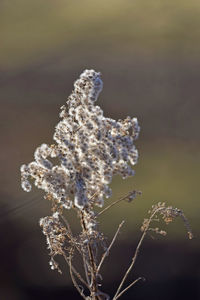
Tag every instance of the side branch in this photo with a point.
(135, 255)
(130, 196)
(74, 280)
(68, 261)
(129, 286)
(106, 253)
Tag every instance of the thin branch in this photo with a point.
(92, 197)
(129, 286)
(131, 266)
(117, 201)
(136, 254)
(85, 265)
(70, 234)
(106, 297)
(74, 270)
(185, 221)
(106, 253)
(67, 224)
(74, 280)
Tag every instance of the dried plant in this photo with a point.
(90, 150)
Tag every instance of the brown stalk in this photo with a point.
(94, 289)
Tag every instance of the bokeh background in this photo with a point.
(149, 55)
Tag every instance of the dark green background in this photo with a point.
(149, 55)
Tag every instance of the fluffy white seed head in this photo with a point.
(90, 149)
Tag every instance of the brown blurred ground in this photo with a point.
(148, 53)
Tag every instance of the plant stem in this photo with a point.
(106, 253)
(128, 287)
(135, 254)
(115, 202)
(93, 269)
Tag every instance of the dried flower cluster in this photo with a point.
(55, 234)
(89, 150)
(168, 214)
(90, 147)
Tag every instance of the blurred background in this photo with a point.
(149, 55)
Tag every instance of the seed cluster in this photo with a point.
(55, 234)
(90, 149)
(168, 214)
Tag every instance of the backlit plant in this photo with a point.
(90, 149)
